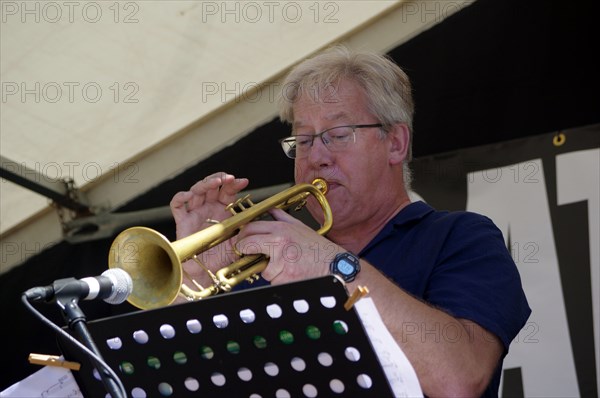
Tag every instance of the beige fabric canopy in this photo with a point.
(119, 96)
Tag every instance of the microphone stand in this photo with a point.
(76, 321)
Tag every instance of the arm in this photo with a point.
(452, 357)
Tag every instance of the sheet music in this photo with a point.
(48, 382)
(400, 373)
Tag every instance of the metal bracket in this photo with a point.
(60, 191)
(69, 202)
(108, 224)
(80, 221)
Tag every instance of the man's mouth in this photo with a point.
(331, 185)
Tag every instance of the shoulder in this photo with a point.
(420, 215)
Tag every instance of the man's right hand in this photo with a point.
(206, 200)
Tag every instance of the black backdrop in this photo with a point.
(495, 71)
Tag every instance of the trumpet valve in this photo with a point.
(252, 278)
(231, 208)
(248, 201)
(240, 205)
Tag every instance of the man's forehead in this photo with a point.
(333, 116)
(339, 101)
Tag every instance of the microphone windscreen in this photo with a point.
(122, 285)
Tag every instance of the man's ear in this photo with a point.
(399, 139)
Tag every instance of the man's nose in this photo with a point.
(319, 154)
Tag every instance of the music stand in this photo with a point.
(293, 340)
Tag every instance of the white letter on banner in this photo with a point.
(578, 179)
(518, 205)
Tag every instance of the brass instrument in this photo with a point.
(155, 264)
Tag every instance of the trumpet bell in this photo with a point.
(148, 257)
(156, 265)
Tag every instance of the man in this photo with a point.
(427, 271)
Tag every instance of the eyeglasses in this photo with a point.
(335, 139)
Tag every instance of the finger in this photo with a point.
(280, 215)
(251, 244)
(230, 188)
(257, 228)
(180, 199)
(208, 188)
(215, 185)
(180, 205)
(210, 182)
(272, 271)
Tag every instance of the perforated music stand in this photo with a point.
(293, 340)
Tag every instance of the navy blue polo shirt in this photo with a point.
(455, 261)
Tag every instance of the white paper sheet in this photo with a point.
(48, 382)
(400, 373)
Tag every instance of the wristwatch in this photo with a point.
(346, 265)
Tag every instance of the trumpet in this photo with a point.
(156, 265)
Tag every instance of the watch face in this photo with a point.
(345, 267)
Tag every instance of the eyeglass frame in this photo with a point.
(320, 135)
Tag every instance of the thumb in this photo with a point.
(280, 215)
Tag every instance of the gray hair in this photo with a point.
(385, 84)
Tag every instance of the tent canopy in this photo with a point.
(118, 97)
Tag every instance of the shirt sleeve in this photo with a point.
(475, 278)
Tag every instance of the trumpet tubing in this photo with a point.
(156, 265)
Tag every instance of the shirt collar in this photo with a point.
(411, 213)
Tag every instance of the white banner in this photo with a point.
(544, 194)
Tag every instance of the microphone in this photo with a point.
(113, 286)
